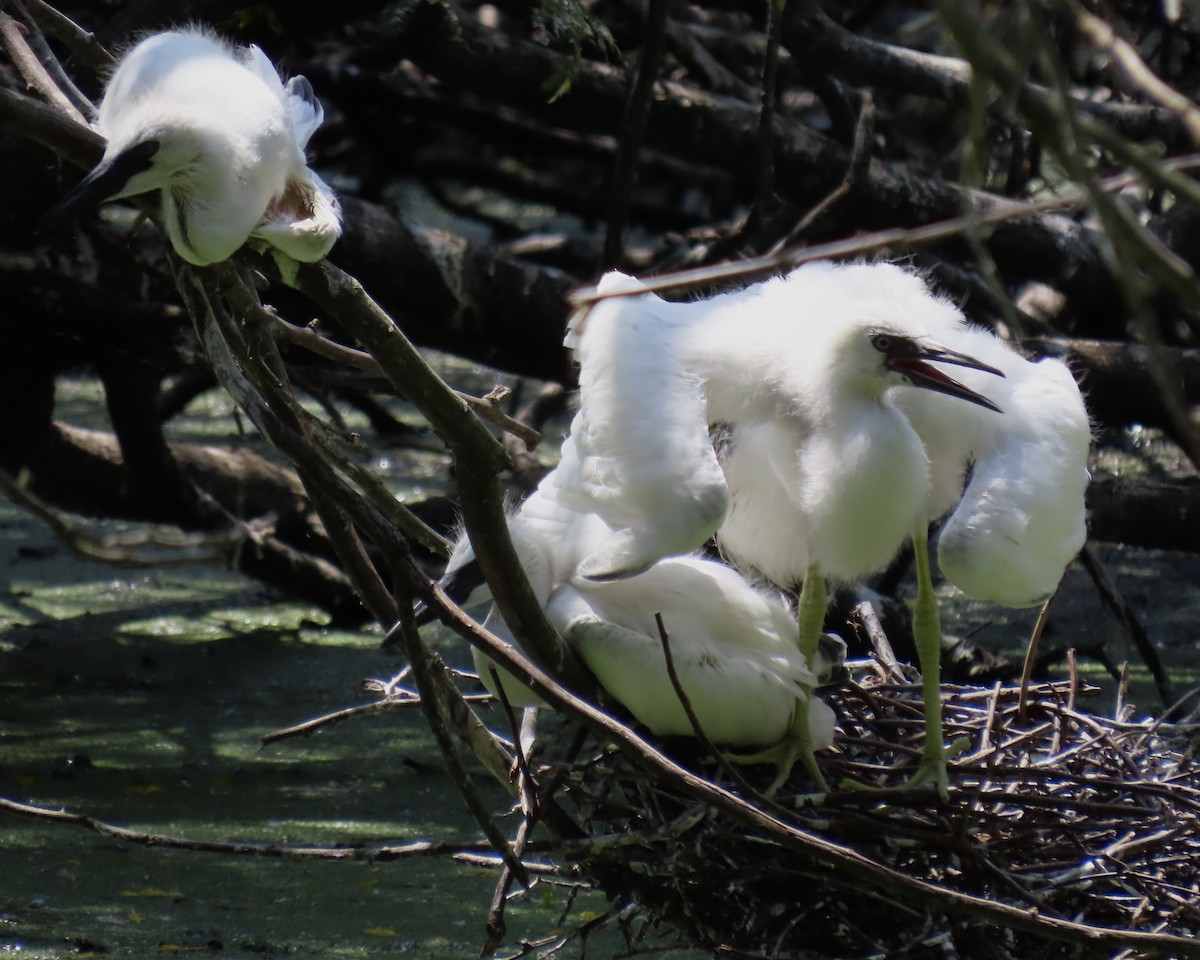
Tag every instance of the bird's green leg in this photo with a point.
(927, 634)
(797, 744)
(811, 612)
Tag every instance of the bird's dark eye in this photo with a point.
(881, 342)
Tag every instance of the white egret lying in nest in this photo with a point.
(216, 131)
(823, 475)
(732, 644)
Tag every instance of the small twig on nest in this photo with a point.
(864, 615)
(1031, 655)
(730, 770)
(309, 727)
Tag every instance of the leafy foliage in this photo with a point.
(398, 17)
(570, 22)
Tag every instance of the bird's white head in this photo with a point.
(905, 358)
(852, 330)
(210, 126)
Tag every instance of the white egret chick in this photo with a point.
(733, 646)
(220, 136)
(802, 369)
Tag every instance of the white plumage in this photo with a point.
(823, 473)
(642, 457)
(819, 465)
(1021, 518)
(733, 645)
(216, 131)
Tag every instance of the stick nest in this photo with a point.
(1061, 813)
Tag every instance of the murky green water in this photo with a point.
(139, 699)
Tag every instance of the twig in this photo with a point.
(59, 76)
(309, 727)
(429, 674)
(32, 69)
(312, 339)
(82, 43)
(899, 238)
(864, 614)
(119, 552)
(860, 160)
(1125, 58)
(1116, 602)
(1031, 655)
(479, 458)
(764, 195)
(684, 701)
(318, 432)
(467, 852)
(252, 375)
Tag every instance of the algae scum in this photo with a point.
(140, 700)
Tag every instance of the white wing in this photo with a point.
(1022, 518)
(644, 461)
(760, 506)
(259, 64)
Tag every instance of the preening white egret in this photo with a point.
(732, 644)
(802, 370)
(216, 131)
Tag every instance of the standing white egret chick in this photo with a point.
(802, 367)
(222, 138)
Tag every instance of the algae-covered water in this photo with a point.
(139, 697)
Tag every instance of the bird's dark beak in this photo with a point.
(106, 180)
(458, 586)
(913, 359)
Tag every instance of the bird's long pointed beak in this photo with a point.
(458, 585)
(915, 366)
(106, 179)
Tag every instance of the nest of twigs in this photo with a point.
(1065, 835)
